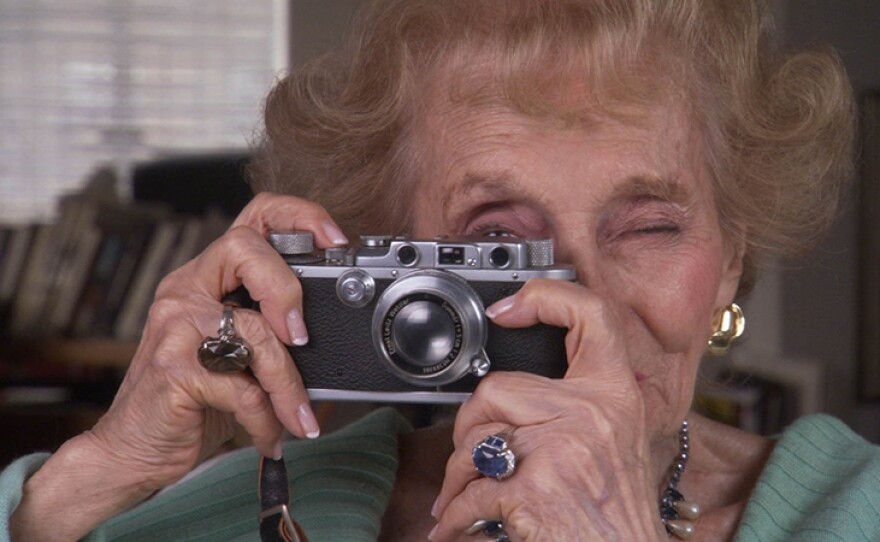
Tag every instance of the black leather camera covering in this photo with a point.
(340, 353)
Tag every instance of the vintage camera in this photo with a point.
(395, 319)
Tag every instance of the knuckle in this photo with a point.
(260, 202)
(539, 286)
(170, 283)
(277, 282)
(597, 309)
(265, 202)
(238, 238)
(168, 358)
(253, 399)
(165, 309)
(255, 329)
(262, 198)
(491, 385)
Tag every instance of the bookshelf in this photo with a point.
(89, 353)
(759, 391)
(75, 291)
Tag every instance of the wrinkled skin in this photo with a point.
(629, 204)
(170, 413)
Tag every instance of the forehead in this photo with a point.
(467, 143)
(474, 155)
(474, 92)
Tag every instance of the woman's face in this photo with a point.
(629, 204)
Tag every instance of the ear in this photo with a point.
(731, 271)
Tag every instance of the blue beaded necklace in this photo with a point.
(677, 514)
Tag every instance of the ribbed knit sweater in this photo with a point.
(341, 484)
(822, 484)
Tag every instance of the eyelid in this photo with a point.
(490, 228)
(649, 216)
(519, 219)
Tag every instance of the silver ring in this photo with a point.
(493, 529)
(228, 352)
(493, 457)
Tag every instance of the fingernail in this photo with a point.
(433, 532)
(434, 507)
(335, 234)
(278, 450)
(296, 326)
(500, 307)
(308, 421)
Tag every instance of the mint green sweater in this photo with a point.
(822, 484)
(340, 484)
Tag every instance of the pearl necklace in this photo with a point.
(675, 512)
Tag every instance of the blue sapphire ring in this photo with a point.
(493, 529)
(493, 458)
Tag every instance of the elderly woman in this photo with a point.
(666, 150)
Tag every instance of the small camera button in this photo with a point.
(376, 241)
(355, 288)
(480, 366)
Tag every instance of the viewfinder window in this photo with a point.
(448, 255)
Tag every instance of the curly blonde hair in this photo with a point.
(778, 128)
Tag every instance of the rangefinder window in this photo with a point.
(407, 255)
(499, 257)
(450, 255)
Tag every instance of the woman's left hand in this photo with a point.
(583, 464)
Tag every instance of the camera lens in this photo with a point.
(427, 327)
(407, 255)
(423, 333)
(499, 257)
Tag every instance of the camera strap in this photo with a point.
(276, 524)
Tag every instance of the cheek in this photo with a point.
(674, 298)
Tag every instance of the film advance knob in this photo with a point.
(292, 243)
(541, 252)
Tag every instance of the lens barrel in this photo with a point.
(428, 326)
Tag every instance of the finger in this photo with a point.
(481, 499)
(190, 388)
(593, 343)
(267, 212)
(277, 375)
(460, 469)
(241, 395)
(242, 257)
(509, 399)
(174, 331)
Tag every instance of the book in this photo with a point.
(75, 247)
(132, 314)
(14, 258)
(125, 232)
(6, 232)
(30, 294)
(746, 401)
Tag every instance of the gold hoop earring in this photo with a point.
(728, 325)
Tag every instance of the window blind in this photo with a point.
(90, 82)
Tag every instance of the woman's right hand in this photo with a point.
(170, 412)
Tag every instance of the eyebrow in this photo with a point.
(501, 185)
(652, 187)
